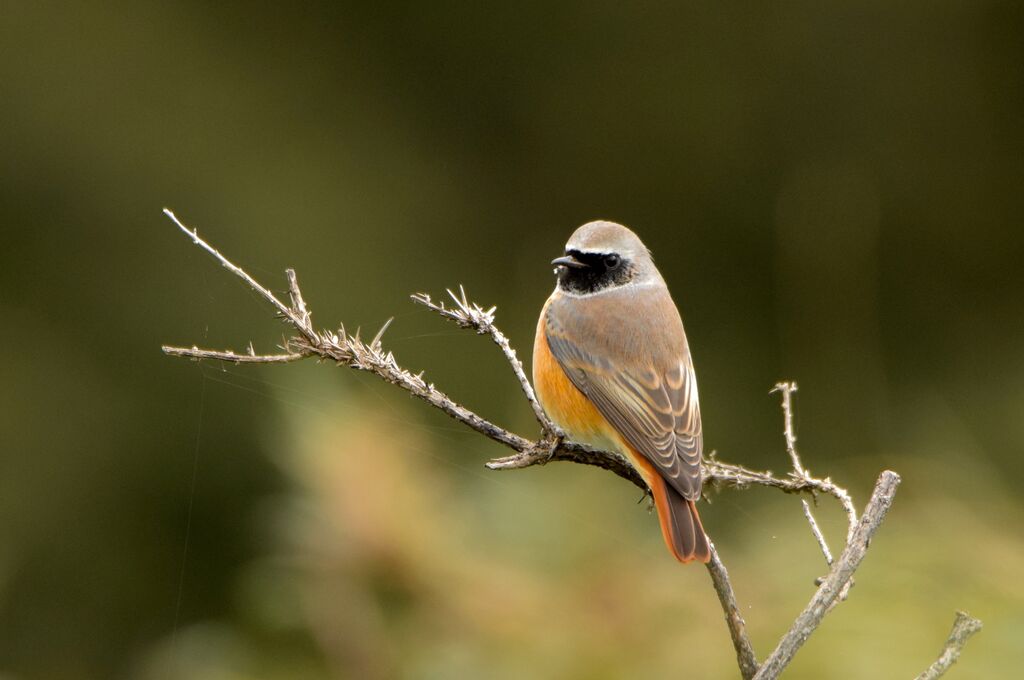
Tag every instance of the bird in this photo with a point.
(612, 369)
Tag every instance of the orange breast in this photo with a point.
(573, 411)
(563, 402)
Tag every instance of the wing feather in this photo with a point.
(655, 410)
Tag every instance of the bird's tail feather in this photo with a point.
(680, 524)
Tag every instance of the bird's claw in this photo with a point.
(552, 443)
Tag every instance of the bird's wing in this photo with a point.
(653, 407)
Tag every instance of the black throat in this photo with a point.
(596, 275)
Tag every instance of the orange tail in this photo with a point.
(680, 523)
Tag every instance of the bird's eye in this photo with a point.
(612, 261)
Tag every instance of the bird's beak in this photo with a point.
(568, 261)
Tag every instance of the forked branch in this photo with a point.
(350, 350)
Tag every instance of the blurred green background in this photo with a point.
(833, 191)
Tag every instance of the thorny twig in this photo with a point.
(787, 389)
(471, 315)
(349, 350)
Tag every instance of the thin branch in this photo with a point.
(197, 354)
(834, 584)
(787, 389)
(964, 626)
(349, 350)
(298, 304)
(471, 315)
(240, 273)
(816, 530)
(343, 348)
(745, 657)
(726, 475)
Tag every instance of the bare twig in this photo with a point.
(297, 321)
(745, 657)
(787, 389)
(197, 354)
(298, 304)
(816, 530)
(964, 626)
(471, 315)
(726, 475)
(833, 585)
(341, 347)
(349, 350)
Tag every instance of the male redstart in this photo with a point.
(612, 368)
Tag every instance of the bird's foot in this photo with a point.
(551, 442)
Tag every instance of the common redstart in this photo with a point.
(612, 368)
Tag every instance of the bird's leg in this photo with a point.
(551, 441)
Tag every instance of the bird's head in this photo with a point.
(602, 255)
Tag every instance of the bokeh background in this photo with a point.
(833, 191)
